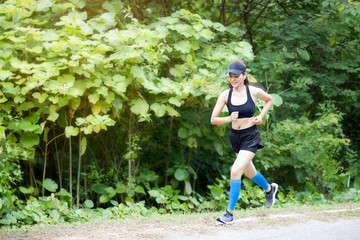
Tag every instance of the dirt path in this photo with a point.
(338, 224)
(333, 222)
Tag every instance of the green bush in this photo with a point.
(251, 195)
(303, 151)
(10, 171)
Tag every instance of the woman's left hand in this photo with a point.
(257, 120)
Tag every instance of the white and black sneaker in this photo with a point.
(226, 218)
(270, 196)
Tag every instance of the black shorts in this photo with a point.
(246, 139)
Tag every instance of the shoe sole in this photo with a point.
(274, 195)
(222, 222)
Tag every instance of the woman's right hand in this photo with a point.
(234, 116)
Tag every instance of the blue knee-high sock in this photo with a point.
(235, 186)
(260, 180)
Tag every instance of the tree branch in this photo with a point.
(249, 27)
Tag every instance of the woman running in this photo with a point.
(244, 134)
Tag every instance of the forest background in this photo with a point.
(105, 105)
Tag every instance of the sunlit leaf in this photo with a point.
(172, 112)
(53, 114)
(95, 109)
(183, 46)
(159, 109)
(83, 145)
(28, 190)
(277, 100)
(188, 188)
(139, 106)
(71, 131)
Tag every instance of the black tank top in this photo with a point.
(245, 110)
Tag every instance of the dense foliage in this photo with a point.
(107, 104)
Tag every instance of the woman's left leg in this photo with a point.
(256, 177)
(259, 179)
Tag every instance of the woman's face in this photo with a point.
(236, 80)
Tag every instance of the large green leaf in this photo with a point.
(65, 195)
(62, 119)
(188, 188)
(66, 78)
(120, 83)
(25, 106)
(183, 46)
(71, 131)
(219, 147)
(159, 109)
(88, 204)
(277, 100)
(99, 188)
(28, 190)
(94, 98)
(53, 114)
(2, 132)
(117, 103)
(216, 192)
(178, 70)
(110, 191)
(83, 145)
(104, 199)
(357, 183)
(138, 72)
(181, 174)
(44, 5)
(183, 133)
(27, 126)
(303, 54)
(172, 112)
(29, 139)
(50, 185)
(139, 106)
(113, 6)
(55, 214)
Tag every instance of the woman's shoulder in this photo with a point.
(255, 89)
(224, 94)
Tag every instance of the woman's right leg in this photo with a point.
(242, 160)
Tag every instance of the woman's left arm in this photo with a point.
(261, 94)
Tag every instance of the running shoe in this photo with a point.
(226, 218)
(270, 196)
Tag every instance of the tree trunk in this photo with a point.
(168, 150)
(164, 7)
(78, 175)
(130, 133)
(70, 171)
(58, 163)
(44, 170)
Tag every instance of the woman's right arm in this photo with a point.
(215, 116)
